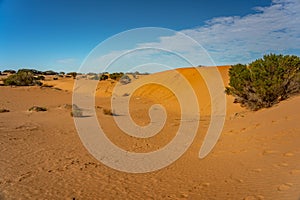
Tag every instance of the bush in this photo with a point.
(22, 78)
(3, 110)
(125, 79)
(265, 81)
(116, 76)
(40, 77)
(73, 74)
(37, 109)
(9, 71)
(76, 111)
(49, 72)
(103, 77)
(33, 71)
(108, 112)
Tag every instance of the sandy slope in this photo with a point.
(42, 157)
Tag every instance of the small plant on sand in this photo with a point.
(3, 110)
(76, 111)
(265, 81)
(37, 109)
(108, 112)
(47, 86)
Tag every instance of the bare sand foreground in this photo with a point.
(42, 157)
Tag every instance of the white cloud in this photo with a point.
(228, 40)
(240, 39)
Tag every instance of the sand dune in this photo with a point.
(42, 157)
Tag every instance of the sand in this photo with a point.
(42, 156)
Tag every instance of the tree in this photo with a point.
(265, 81)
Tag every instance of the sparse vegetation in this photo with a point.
(37, 109)
(47, 86)
(39, 77)
(9, 71)
(108, 112)
(33, 71)
(76, 111)
(50, 72)
(3, 110)
(22, 78)
(73, 74)
(116, 75)
(103, 77)
(265, 81)
(125, 79)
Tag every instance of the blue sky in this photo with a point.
(60, 34)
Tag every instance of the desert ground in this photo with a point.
(42, 156)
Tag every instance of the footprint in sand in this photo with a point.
(243, 130)
(257, 125)
(295, 172)
(254, 197)
(284, 187)
(28, 126)
(289, 154)
(283, 164)
(24, 176)
(269, 152)
(257, 170)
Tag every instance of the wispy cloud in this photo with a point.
(223, 40)
(239, 39)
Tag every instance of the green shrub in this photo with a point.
(22, 78)
(116, 76)
(73, 74)
(103, 77)
(265, 81)
(33, 71)
(9, 71)
(40, 77)
(49, 72)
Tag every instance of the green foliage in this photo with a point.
(116, 76)
(265, 81)
(73, 74)
(40, 77)
(103, 77)
(9, 71)
(33, 71)
(50, 72)
(22, 78)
